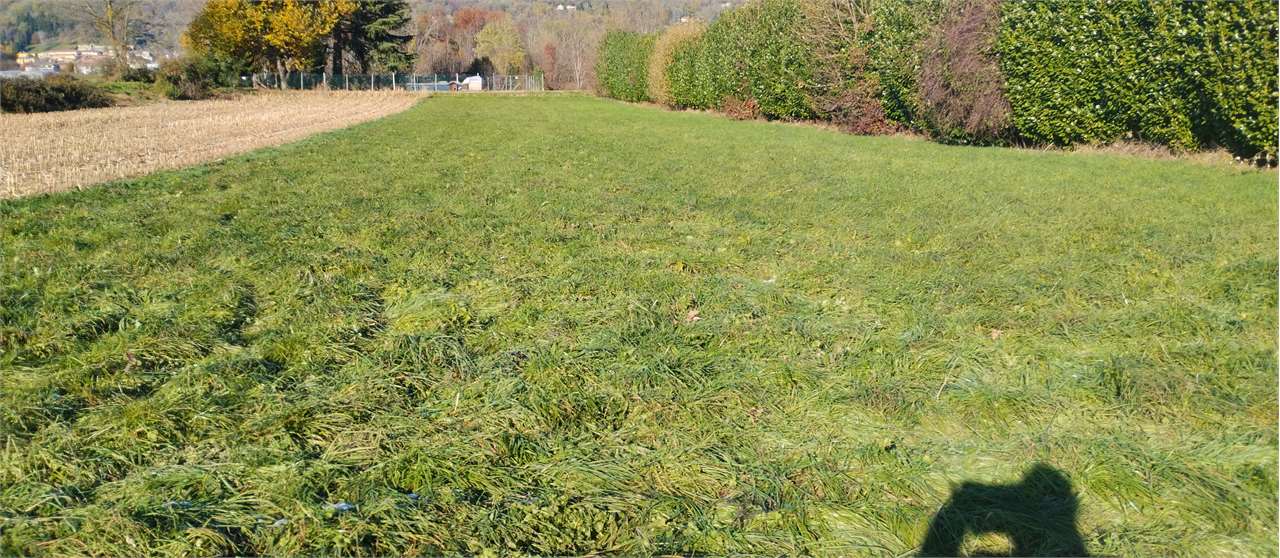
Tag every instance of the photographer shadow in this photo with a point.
(1038, 515)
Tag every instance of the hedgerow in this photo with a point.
(623, 68)
(194, 77)
(752, 55)
(1239, 73)
(842, 88)
(892, 45)
(961, 89)
(699, 76)
(1089, 72)
(661, 60)
(51, 94)
(1184, 74)
(775, 64)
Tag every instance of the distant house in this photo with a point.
(473, 83)
(100, 49)
(92, 64)
(26, 73)
(58, 56)
(87, 58)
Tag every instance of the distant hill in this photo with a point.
(44, 24)
(40, 25)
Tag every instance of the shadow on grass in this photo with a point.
(1038, 515)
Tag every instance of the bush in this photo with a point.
(53, 93)
(138, 75)
(961, 87)
(623, 68)
(755, 55)
(661, 60)
(1187, 75)
(898, 27)
(769, 60)
(1239, 76)
(698, 76)
(194, 77)
(1182, 74)
(1093, 71)
(842, 89)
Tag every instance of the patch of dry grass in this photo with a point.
(52, 152)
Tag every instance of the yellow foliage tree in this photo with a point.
(296, 30)
(499, 41)
(286, 34)
(230, 29)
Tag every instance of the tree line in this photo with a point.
(225, 39)
(297, 35)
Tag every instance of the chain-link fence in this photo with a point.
(406, 82)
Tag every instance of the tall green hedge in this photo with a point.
(623, 67)
(699, 74)
(894, 57)
(1239, 73)
(1184, 74)
(773, 62)
(752, 53)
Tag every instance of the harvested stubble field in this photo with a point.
(584, 326)
(50, 152)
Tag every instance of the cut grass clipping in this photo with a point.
(580, 326)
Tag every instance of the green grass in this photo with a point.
(563, 325)
(131, 92)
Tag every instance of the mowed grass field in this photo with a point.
(565, 325)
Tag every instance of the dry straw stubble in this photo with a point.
(57, 151)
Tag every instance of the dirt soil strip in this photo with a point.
(57, 151)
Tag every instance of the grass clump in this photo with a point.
(765, 338)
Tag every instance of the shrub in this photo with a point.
(699, 74)
(769, 60)
(1239, 76)
(664, 50)
(753, 54)
(842, 89)
(892, 46)
(623, 68)
(1093, 71)
(961, 87)
(194, 77)
(1187, 75)
(138, 75)
(53, 93)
